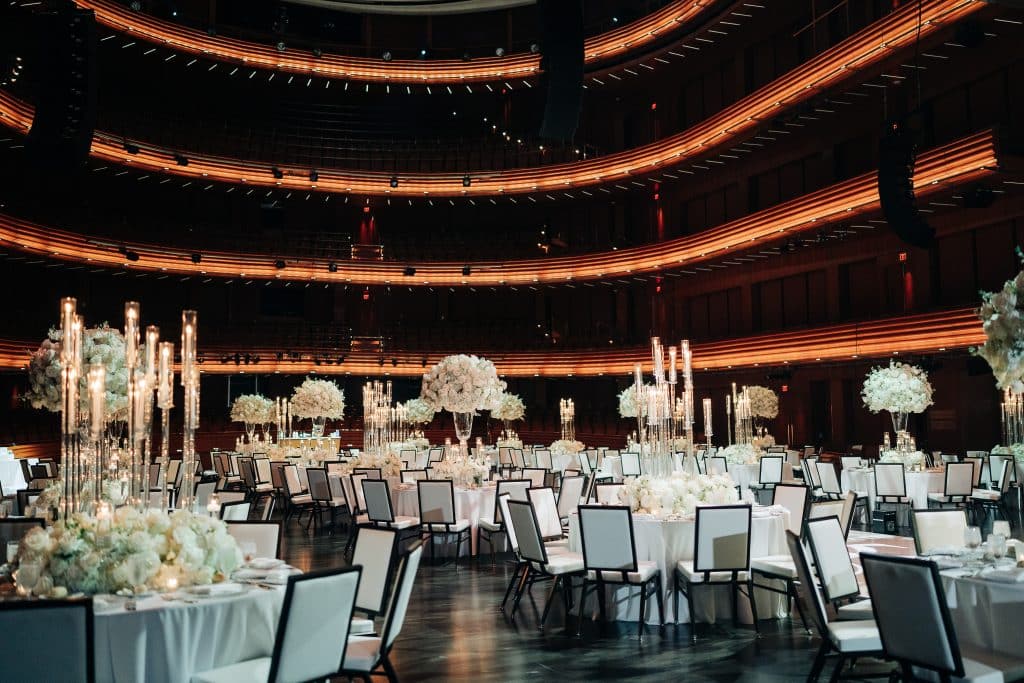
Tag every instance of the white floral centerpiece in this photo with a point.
(899, 388)
(462, 384)
(131, 551)
(762, 442)
(252, 409)
(740, 454)
(103, 345)
(465, 470)
(679, 494)
(319, 399)
(1015, 449)
(1004, 334)
(510, 408)
(388, 463)
(764, 402)
(566, 447)
(509, 443)
(913, 461)
(628, 405)
(418, 411)
(411, 444)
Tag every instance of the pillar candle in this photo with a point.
(707, 418)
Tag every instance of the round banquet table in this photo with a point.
(471, 504)
(986, 612)
(919, 485)
(745, 475)
(668, 541)
(171, 641)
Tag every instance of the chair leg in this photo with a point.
(547, 603)
(819, 662)
(791, 587)
(601, 598)
(643, 613)
(659, 596)
(389, 670)
(511, 584)
(753, 606)
(582, 606)
(840, 663)
(693, 613)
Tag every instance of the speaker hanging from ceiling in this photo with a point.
(896, 157)
(562, 61)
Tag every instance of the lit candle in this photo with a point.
(172, 583)
(672, 365)
(152, 342)
(67, 320)
(213, 505)
(638, 376)
(707, 419)
(97, 398)
(165, 376)
(131, 334)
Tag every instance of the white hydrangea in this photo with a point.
(462, 384)
(1004, 334)
(418, 411)
(628, 405)
(897, 388)
(318, 398)
(679, 494)
(740, 454)
(253, 409)
(510, 408)
(763, 402)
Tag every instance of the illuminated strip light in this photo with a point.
(865, 49)
(966, 160)
(926, 333)
(629, 38)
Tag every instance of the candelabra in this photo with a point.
(707, 423)
(744, 420)
(687, 398)
(165, 401)
(190, 383)
(567, 412)
(1012, 418)
(71, 368)
(382, 422)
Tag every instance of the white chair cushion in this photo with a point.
(777, 565)
(301, 499)
(459, 525)
(263, 488)
(488, 525)
(560, 543)
(338, 502)
(361, 653)
(855, 636)
(564, 563)
(893, 499)
(644, 571)
(685, 567)
(856, 611)
(362, 519)
(249, 670)
(938, 497)
(404, 522)
(984, 494)
(360, 626)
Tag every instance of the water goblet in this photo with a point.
(996, 546)
(12, 551)
(972, 537)
(1001, 527)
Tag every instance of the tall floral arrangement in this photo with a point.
(898, 388)
(763, 402)
(418, 411)
(510, 408)
(1004, 333)
(566, 447)
(318, 398)
(104, 345)
(628, 405)
(462, 384)
(679, 494)
(131, 550)
(252, 409)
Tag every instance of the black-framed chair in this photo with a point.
(487, 529)
(891, 486)
(380, 511)
(835, 570)
(774, 568)
(263, 535)
(957, 487)
(66, 626)
(939, 529)
(375, 550)
(437, 515)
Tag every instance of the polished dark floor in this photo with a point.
(455, 632)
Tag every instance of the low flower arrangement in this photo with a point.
(413, 444)
(763, 442)
(418, 411)
(899, 388)
(252, 409)
(509, 443)
(314, 453)
(763, 402)
(1004, 333)
(132, 551)
(679, 494)
(628, 405)
(913, 461)
(462, 384)
(467, 471)
(566, 447)
(510, 408)
(318, 398)
(1015, 449)
(741, 454)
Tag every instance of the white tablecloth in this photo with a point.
(171, 641)
(471, 504)
(11, 477)
(667, 542)
(919, 485)
(986, 613)
(745, 475)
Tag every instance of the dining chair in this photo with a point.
(487, 529)
(518, 460)
(408, 457)
(847, 639)
(936, 530)
(994, 501)
(364, 654)
(542, 458)
(437, 515)
(947, 458)
(585, 466)
(569, 496)
(202, 492)
(311, 632)
(769, 473)
(66, 626)
(957, 487)
(435, 455)
(891, 485)
(235, 511)
(721, 557)
(356, 482)
(608, 493)
(835, 569)
(978, 463)
(631, 465)
(380, 511)
(609, 557)
(995, 468)
(546, 508)
(780, 568)
(370, 472)
(536, 475)
(916, 629)
(412, 476)
(796, 499)
(154, 476)
(264, 536)
(375, 550)
(540, 565)
(339, 498)
(296, 498)
(717, 464)
(324, 499)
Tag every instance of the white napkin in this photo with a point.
(227, 587)
(1014, 575)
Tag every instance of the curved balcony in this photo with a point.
(849, 60)
(939, 332)
(630, 38)
(963, 161)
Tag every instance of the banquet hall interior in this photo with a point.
(499, 340)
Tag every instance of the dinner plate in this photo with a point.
(217, 590)
(264, 563)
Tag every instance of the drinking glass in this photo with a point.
(1001, 527)
(12, 551)
(996, 545)
(972, 537)
(248, 549)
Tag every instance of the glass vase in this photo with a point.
(319, 423)
(266, 432)
(463, 428)
(250, 431)
(900, 418)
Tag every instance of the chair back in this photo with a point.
(277, 475)
(722, 538)
(849, 506)
(203, 491)
(335, 468)
(770, 472)
(959, 479)
(437, 501)
(995, 469)
(336, 485)
(607, 536)
(811, 472)
(716, 464)
(584, 463)
(569, 493)
(357, 479)
(247, 472)
(378, 501)
(263, 473)
(794, 498)
(1006, 475)
(827, 479)
(607, 493)
(631, 464)
(542, 458)
(536, 475)
(435, 455)
(808, 594)
(66, 628)
(938, 529)
(912, 614)
(527, 530)
(947, 458)
(409, 476)
(826, 508)
(370, 472)
(319, 489)
(314, 625)
(504, 456)
(236, 511)
(501, 503)
(517, 458)
(516, 489)
(832, 559)
(408, 457)
(890, 480)
(233, 460)
(546, 509)
(977, 463)
(375, 551)
(405, 577)
(265, 536)
(174, 473)
(292, 485)
(154, 476)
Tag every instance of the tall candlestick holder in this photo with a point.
(190, 384)
(1012, 418)
(71, 368)
(165, 401)
(567, 414)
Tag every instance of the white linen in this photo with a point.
(666, 542)
(470, 504)
(170, 641)
(11, 477)
(919, 485)
(745, 475)
(986, 613)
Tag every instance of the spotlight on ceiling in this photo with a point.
(332, 267)
(467, 270)
(276, 172)
(317, 52)
(387, 57)
(499, 52)
(181, 159)
(394, 181)
(279, 264)
(466, 57)
(423, 53)
(131, 255)
(314, 176)
(394, 362)
(466, 181)
(409, 271)
(131, 148)
(281, 47)
(197, 257)
(534, 48)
